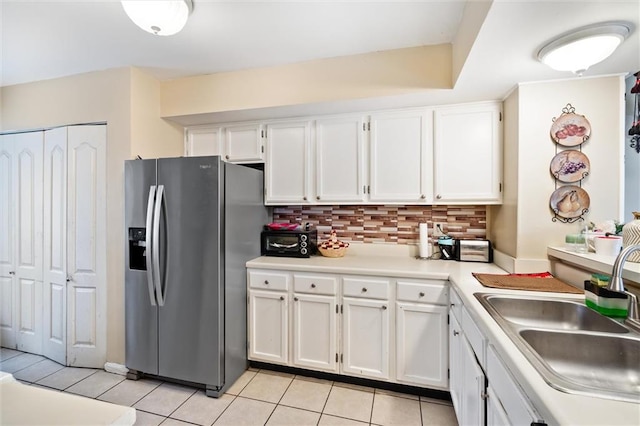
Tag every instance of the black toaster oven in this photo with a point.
(285, 243)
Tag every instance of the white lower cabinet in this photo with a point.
(509, 403)
(482, 389)
(365, 328)
(315, 332)
(268, 326)
(421, 333)
(351, 325)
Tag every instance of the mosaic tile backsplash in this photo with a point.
(386, 223)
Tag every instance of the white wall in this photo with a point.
(631, 158)
(600, 100)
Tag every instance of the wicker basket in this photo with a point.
(332, 252)
(332, 247)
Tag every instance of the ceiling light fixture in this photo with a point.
(579, 49)
(163, 17)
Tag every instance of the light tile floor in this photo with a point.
(258, 397)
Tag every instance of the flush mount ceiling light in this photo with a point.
(579, 49)
(163, 17)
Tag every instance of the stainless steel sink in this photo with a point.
(596, 361)
(552, 314)
(574, 348)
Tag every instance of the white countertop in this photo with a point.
(595, 262)
(22, 404)
(555, 406)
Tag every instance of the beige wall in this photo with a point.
(600, 100)
(386, 73)
(504, 218)
(128, 101)
(151, 136)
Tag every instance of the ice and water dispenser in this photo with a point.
(138, 248)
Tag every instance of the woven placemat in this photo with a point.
(511, 282)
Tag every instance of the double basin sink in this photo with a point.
(574, 348)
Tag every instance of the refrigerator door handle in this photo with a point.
(156, 245)
(149, 244)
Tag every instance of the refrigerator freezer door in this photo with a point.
(141, 316)
(190, 321)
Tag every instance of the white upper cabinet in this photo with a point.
(203, 140)
(243, 144)
(340, 159)
(468, 154)
(400, 157)
(237, 143)
(287, 162)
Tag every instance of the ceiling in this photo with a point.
(49, 38)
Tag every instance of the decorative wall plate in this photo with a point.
(570, 166)
(570, 201)
(570, 129)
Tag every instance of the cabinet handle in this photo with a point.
(452, 305)
(295, 299)
(226, 156)
(364, 289)
(422, 197)
(384, 308)
(421, 294)
(313, 285)
(455, 333)
(438, 196)
(304, 198)
(12, 272)
(317, 197)
(281, 297)
(266, 282)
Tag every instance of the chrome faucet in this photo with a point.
(616, 280)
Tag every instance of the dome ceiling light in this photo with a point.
(162, 17)
(581, 48)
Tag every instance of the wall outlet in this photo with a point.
(438, 229)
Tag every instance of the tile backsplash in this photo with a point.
(386, 223)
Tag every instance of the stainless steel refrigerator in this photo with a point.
(191, 224)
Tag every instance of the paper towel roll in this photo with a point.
(424, 248)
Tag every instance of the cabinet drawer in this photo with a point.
(315, 284)
(455, 305)
(434, 292)
(365, 287)
(475, 337)
(268, 280)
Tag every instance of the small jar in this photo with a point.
(576, 243)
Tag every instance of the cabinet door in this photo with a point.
(244, 143)
(455, 364)
(339, 160)
(365, 334)
(86, 249)
(496, 416)
(7, 235)
(472, 403)
(28, 155)
(468, 154)
(421, 344)
(287, 163)
(400, 157)
(54, 339)
(268, 326)
(314, 332)
(203, 141)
